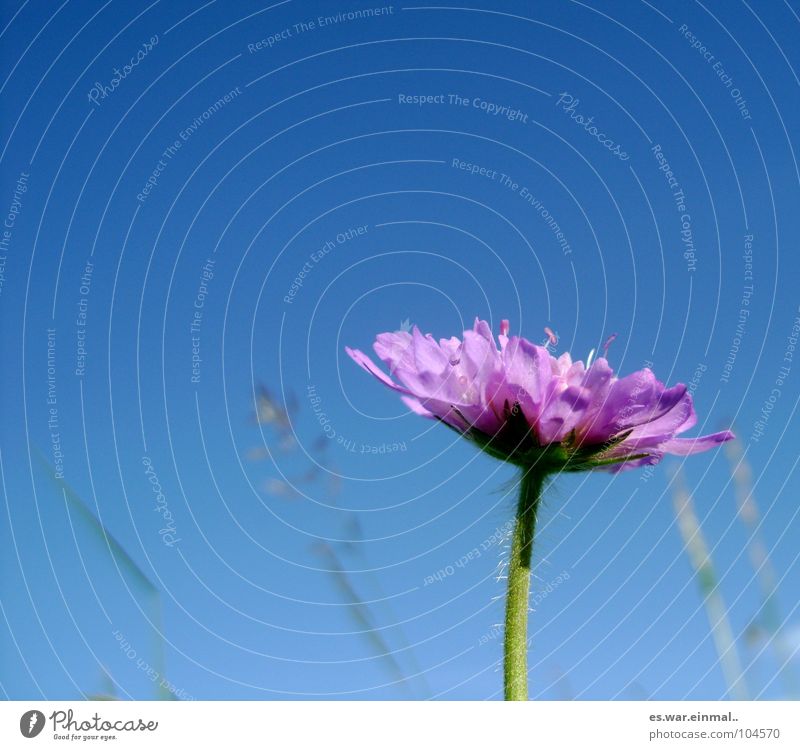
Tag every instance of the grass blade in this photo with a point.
(698, 552)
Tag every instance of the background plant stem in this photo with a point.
(515, 663)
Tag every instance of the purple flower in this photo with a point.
(521, 404)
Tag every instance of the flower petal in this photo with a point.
(635, 400)
(690, 446)
(528, 402)
(482, 328)
(561, 413)
(678, 419)
(528, 373)
(394, 349)
(415, 406)
(364, 361)
(428, 355)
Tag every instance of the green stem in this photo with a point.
(515, 664)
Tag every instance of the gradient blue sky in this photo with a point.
(312, 142)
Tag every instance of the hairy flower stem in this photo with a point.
(515, 660)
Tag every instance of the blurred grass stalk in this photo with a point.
(769, 617)
(125, 564)
(362, 614)
(382, 602)
(698, 552)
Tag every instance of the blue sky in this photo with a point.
(595, 168)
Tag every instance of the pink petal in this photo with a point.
(689, 446)
(394, 349)
(364, 361)
(428, 356)
(415, 406)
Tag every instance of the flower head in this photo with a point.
(520, 403)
